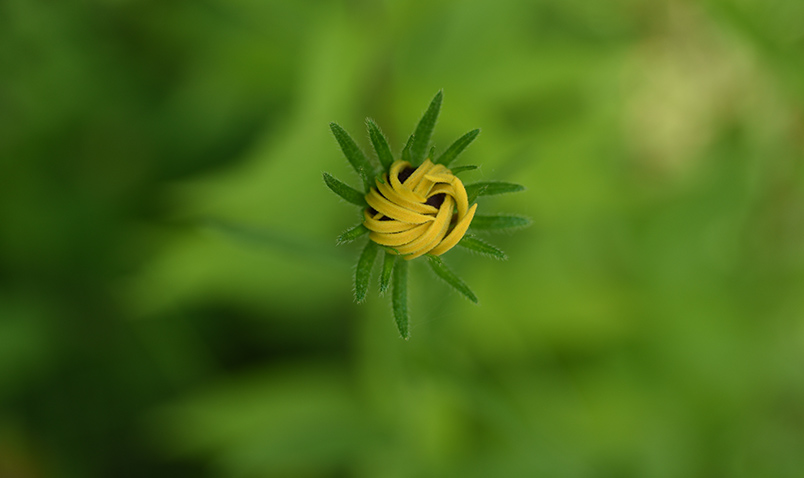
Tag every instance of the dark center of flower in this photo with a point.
(436, 200)
(405, 174)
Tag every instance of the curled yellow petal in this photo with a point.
(394, 211)
(417, 212)
(456, 234)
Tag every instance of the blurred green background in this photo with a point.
(172, 302)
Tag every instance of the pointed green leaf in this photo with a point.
(471, 195)
(363, 272)
(352, 234)
(399, 297)
(431, 154)
(457, 147)
(450, 278)
(461, 169)
(380, 144)
(353, 153)
(490, 188)
(499, 222)
(345, 191)
(387, 267)
(424, 130)
(474, 244)
(406, 150)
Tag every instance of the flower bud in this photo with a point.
(418, 211)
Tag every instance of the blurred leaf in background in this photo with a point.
(165, 312)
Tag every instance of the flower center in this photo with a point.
(417, 211)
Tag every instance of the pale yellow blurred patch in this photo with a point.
(688, 82)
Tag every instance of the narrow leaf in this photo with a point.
(450, 278)
(353, 153)
(424, 130)
(387, 267)
(431, 154)
(363, 272)
(461, 169)
(399, 298)
(490, 188)
(472, 195)
(352, 234)
(345, 191)
(457, 147)
(499, 222)
(406, 150)
(380, 144)
(474, 244)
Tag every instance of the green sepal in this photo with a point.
(472, 195)
(482, 247)
(380, 144)
(457, 147)
(460, 169)
(345, 191)
(399, 297)
(363, 271)
(424, 130)
(387, 268)
(442, 271)
(352, 234)
(406, 150)
(499, 222)
(354, 154)
(490, 188)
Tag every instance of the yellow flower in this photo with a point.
(418, 211)
(416, 207)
